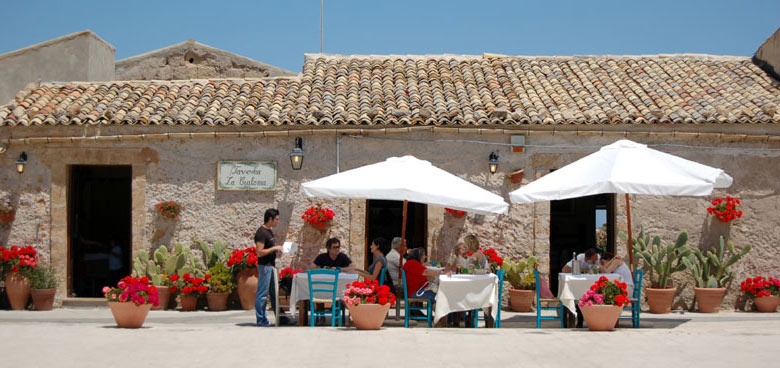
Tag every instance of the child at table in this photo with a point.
(458, 259)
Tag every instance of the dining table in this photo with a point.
(299, 291)
(460, 293)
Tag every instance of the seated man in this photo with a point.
(613, 264)
(332, 258)
(588, 260)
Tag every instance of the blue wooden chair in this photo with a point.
(477, 315)
(636, 299)
(325, 286)
(407, 308)
(539, 308)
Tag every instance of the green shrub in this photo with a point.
(221, 280)
(43, 277)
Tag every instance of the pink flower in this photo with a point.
(106, 289)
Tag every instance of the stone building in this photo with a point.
(100, 155)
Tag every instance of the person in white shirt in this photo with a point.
(394, 259)
(614, 264)
(588, 260)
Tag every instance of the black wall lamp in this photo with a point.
(493, 162)
(296, 156)
(21, 162)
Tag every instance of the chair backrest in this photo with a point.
(638, 275)
(536, 281)
(323, 286)
(403, 285)
(500, 274)
(382, 276)
(435, 263)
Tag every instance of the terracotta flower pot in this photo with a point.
(217, 301)
(129, 315)
(709, 299)
(368, 316)
(164, 293)
(8, 216)
(189, 303)
(521, 300)
(660, 300)
(767, 304)
(247, 287)
(18, 289)
(516, 176)
(601, 317)
(320, 226)
(43, 299)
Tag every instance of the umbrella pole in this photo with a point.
(630, 242)
(402, 252)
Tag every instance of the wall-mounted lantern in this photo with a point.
(493, 162)
(296, 156)
(21, 162)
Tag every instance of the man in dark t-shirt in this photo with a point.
(266, 259)
(332, 258)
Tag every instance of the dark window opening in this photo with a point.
(384, 218)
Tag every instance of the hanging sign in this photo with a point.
(246, 175)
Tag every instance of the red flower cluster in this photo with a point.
(726, 209)
(288, 272)
(194, 286)
(132, 289)
(169, 209)
(455, 213)
(19, 258)
(173, 281)
(493, 258)
(368, 292)
(606, 292)
(242, 258)
(758, 286)
(318, 215)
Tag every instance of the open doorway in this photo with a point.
(99, 221)
(578, 224)
(384, 218)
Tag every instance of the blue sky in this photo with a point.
(280, 32)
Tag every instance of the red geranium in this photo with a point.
(493, 259)
(368, 292)
(194, 286)
(758, 286)
(726, 209)
(132, 289)
(288, 272)
(605, 292)
(318, 215)
(16, 258)
(241, 259)
(169, 209)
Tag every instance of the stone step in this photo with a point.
(84, 303)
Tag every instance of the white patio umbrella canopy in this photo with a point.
(407, 178)
(624, 167)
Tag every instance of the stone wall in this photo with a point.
(184, 170)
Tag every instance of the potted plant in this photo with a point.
(243, 265)
(43, 280)
(131, 300)
(164, 268)
(726, 209)
(191, 289)
(602, 303)
(18, 263)
(318, 217)
(521, 276)
(712, 272)
(368, 303)
(169, 209)
(220, 286)
(765, 293)
(7, 209)
(516, 177)
(455, 213)
(660, 262)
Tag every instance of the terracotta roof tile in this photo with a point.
(438, 90)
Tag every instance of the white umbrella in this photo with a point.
(625, 167)
(407, 179)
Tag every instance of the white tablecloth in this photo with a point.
(459, 293)
(300, 287)
(572, 287)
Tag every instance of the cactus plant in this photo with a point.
(165, 262)
(661, 261)
(520, 274)
(214, 254)
(712, 270)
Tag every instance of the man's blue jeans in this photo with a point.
(265, 279)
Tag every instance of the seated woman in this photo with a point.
(610, 263)
(379, 248)
(417, 275)
(477, 258)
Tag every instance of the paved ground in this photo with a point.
(88, 338)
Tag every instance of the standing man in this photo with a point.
(266, 260)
